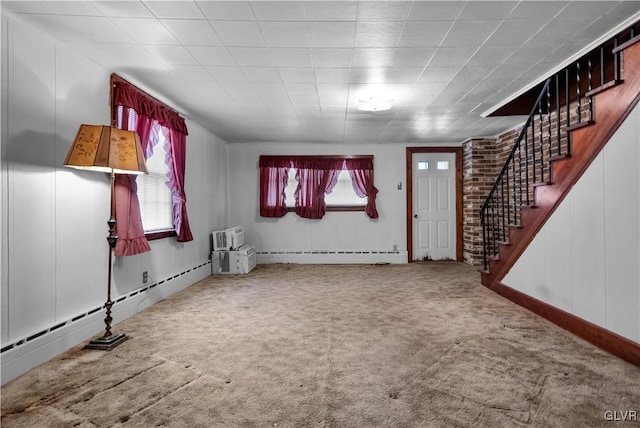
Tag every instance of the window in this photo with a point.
(341, 197)
(163, 135)
(156, 200)
(443, 165)
(424, 165)
(306, 185)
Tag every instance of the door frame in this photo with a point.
(459, 209)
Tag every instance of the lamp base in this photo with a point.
(107, 343)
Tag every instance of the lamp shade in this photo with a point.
(108, 149)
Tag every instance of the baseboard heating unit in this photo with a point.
(331, 256)
(22, 354)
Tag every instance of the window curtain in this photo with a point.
(316, 177)
(131, 239)
(129, 222)
(274, 174)
(176, 152)
(361, 172)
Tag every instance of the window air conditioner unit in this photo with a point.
(228, 239)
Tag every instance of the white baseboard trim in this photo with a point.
(331, 256)
(22, 355)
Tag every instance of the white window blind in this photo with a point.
(156, 201)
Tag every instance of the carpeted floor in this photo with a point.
(417, 345)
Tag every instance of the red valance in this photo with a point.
(322, 162)
(125, 94)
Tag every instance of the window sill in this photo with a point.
(159, 234)
(344, 208)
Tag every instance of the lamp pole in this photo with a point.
(109, 340)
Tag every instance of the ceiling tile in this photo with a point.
(445, 57)
(246, 95)
(184, 9)
(368, 75)
(378, 34)
(411, 57)
(331, 10)
(438, 74)
(491, 10)
(130, 9)
(469, 33)
(514, 32)
(239, 33)
(291, 57)
(146, 31)
(421, 34)
(489, 56)
(435, 10)
(285, 34)
(297, 75)
(71, 8)
(331, 34)
(333, 75)
(537, 9)
(278, 10)
(371, 57)
(171, 54)
(273, 93)
(191, 72)
(333, 95)
(262, 74)
(226, 74)
(404, 74)
(211, 55)
(383, 10)
(192, 32)
(227, 10)
(331, 57)
(82, 28)
(251, 57)
(117, 55)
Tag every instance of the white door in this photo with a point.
(434, 206)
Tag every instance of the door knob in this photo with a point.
(415, 216)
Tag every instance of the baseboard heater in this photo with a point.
(79, 321)
(331, 256)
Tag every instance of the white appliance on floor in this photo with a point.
(240, 260)
(228, 239)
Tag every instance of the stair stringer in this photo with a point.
(611, 108)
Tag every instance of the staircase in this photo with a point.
(576, 113)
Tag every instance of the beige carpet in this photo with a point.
(419, 345)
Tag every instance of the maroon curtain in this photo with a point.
(361, 172)
(274, 174)
(316, 177)
(176, 152)
(131, 239)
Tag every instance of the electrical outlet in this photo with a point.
(145, 277)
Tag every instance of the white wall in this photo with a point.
(586, 258)
(54, 249)
(337, 230)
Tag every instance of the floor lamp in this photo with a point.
(116, 151)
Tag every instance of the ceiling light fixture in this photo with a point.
(375, 104)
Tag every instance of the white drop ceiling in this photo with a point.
(294, 71)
